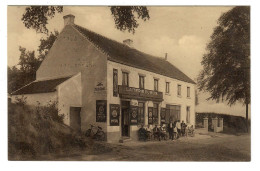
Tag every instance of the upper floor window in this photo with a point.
(155, 84)
(125, 79)
(179, 90)
(188, 91)
(141, 82)
(167, 88)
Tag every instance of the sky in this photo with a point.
(181, 32)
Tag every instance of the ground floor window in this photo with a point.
(155, 113)
(173, 112)
(188, 114)
(140, 113)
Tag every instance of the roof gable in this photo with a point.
(120, 53)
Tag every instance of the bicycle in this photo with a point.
(99, 135)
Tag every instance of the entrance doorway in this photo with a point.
(125, 123)
(75, 119)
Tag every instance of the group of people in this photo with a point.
(175, 129)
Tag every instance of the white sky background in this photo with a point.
(182, 32)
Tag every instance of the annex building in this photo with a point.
(99, 81)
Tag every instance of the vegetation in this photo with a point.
(232, 124)
(226, 65)
(25, 72)
(36, 131)
(36, 17)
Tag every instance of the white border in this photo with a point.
(253, 165)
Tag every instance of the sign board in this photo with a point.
(114, 114)
(163, 115)
(101, 111)
(150, 115)
(100, 87)
(133, 115)
(115, 82)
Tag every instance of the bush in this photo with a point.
(36, 131)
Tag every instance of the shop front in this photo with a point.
(135, 103)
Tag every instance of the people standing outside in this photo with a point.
(178, 125)
(175, 132)
(149, 132)
(170, 129)
(183, 127)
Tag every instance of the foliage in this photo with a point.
(36, 17)
(50, 111)
(31, 133)
(232, 124)
(226, 65)
(29, 63)
(46, 44)
(25, 72)
(125, 18)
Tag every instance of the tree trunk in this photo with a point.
(247, 117)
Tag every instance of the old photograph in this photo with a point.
(128, 83)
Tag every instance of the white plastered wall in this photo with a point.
(69, 95)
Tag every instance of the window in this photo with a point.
(125, 79)
(188, 91)
(141, 82)
(174, 112)
(155, 84)
(179, 90)
(155, 113)
(140, 113)
(167, 90)
(188, 114)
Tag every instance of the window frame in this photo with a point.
(141, 76)
(187, 114)
(156, 86)
(167, 87)
(179, 90)
(127, 78)
(188, 92)
(142, 116)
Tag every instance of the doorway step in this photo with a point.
(124, 139)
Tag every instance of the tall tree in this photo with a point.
(36, 17)
(226, 65)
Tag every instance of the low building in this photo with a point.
(99, 81)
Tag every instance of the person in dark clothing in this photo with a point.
(183, 127)
(156, 132)
(142, 133)
(170, 129)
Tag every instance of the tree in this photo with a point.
(29, 63)
(37, 17)
(226, 65)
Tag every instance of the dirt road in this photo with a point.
(219, 147)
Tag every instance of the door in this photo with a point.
(125, 123)
(75, 119)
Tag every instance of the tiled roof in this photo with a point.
(120, 53)
(44, 86)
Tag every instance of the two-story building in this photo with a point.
(99, 81)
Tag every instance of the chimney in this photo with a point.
(128, 42)
(68, 19)
(166, 56)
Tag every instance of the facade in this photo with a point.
(99, 81)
